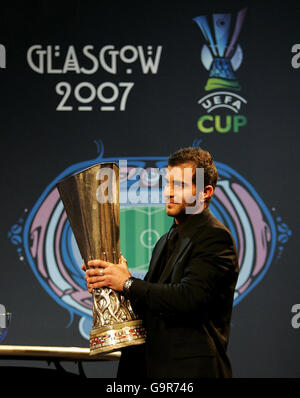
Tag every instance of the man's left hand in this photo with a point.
(109, 275)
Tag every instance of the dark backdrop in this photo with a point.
(39, 142)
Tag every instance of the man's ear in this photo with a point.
(208, 192)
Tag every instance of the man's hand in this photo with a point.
(109, 275)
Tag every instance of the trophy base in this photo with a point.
(116, 336)
(214, 83)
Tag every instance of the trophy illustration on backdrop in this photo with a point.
(221, 55)
(91, 201)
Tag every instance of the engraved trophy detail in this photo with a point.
(91, 201)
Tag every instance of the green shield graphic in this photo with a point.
(141, 227)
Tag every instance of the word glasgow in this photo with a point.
(50, 59)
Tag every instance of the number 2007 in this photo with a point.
(65, 89)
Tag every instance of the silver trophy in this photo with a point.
(222, 54)
(91, 201)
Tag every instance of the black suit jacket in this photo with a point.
(187, 312)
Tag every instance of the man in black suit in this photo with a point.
(186, 297)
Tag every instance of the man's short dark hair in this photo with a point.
(200, 159)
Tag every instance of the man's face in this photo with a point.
(180, 191)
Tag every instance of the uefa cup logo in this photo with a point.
(221, 55)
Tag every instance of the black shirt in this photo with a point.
(168, 250)
(170, 247)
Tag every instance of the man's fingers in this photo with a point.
(98, 263)
(95, 285)
(95, 282)
(100, 274)
(94, 279)
(95, 272)
(123, 260)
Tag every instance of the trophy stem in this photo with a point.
(115, 325)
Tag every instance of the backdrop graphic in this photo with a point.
(86, 82)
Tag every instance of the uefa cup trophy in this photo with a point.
(221, 54)
(91, 201)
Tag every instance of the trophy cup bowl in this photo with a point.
(91, 202)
